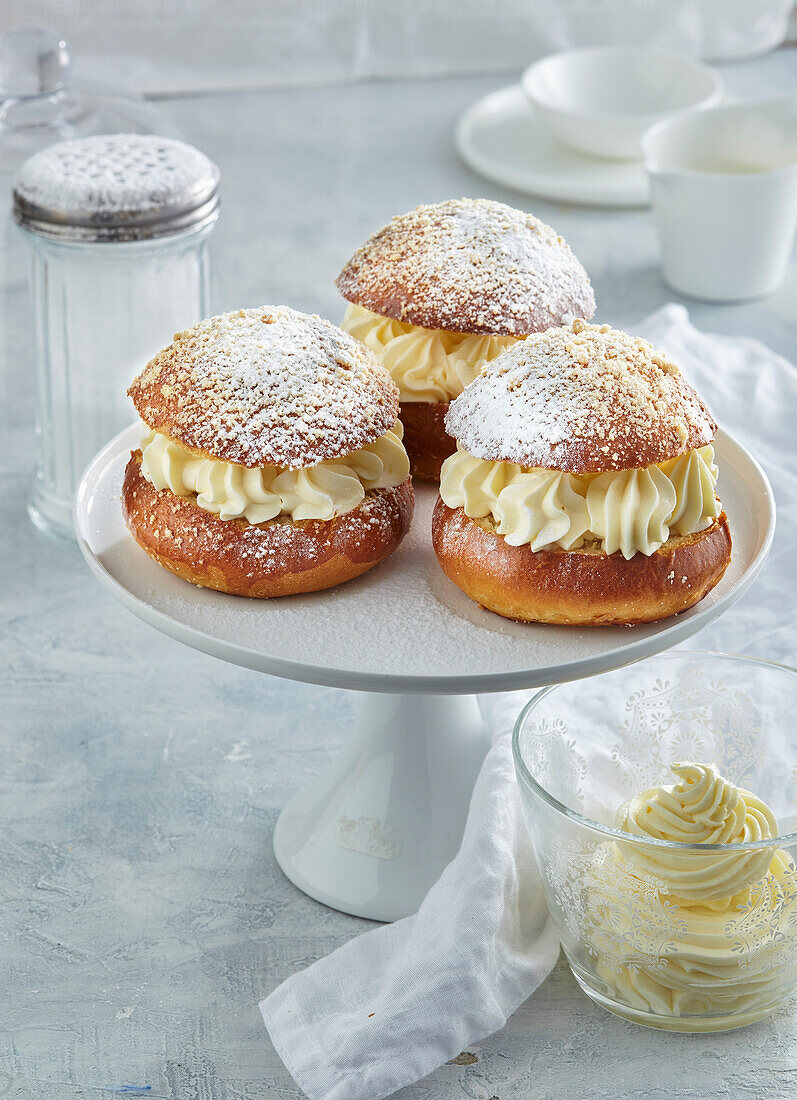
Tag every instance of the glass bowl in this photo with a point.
(636, 947)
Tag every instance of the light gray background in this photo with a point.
(188, 45)
(142, 915)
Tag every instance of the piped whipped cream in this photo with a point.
(319, 492)
(701, 808)
(426, 364)
(630, 511)
(681, 931)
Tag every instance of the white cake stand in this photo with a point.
(372, 833)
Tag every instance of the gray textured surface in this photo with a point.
(142, 915)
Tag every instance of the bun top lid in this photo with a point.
(267, 387)
(469, 265)
(582, 399)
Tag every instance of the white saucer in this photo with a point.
(403, 627)
(501, 138)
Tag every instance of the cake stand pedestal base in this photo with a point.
(372, 833)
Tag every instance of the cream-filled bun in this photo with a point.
(583, 485)
(441, 291)
(271, 460)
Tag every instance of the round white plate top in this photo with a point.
(403, 626)
(501, 138)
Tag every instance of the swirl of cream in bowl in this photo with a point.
(426, 364)
(630, 511)
(318, 492)
(677, 931)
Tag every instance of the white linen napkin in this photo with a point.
(752, 393)
(394, 1003)
(391, 1005)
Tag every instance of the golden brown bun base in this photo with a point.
(578, 587)
(278, 558)
(425, 437)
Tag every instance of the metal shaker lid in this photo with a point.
(115, 187)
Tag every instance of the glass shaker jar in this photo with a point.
(117, 227)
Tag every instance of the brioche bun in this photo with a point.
(469, 265)
(267, 387)
(583, 587)
(278, 558)
(581, 399)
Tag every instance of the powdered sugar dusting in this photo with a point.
(115, 174)
(267, 386)
(469, 265)
(580, 398)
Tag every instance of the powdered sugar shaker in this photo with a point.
(117, 227)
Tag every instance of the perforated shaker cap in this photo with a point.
(115, 187)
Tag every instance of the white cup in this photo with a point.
(724, 193)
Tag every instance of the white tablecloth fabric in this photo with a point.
(160, 47)
(391, 1005)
